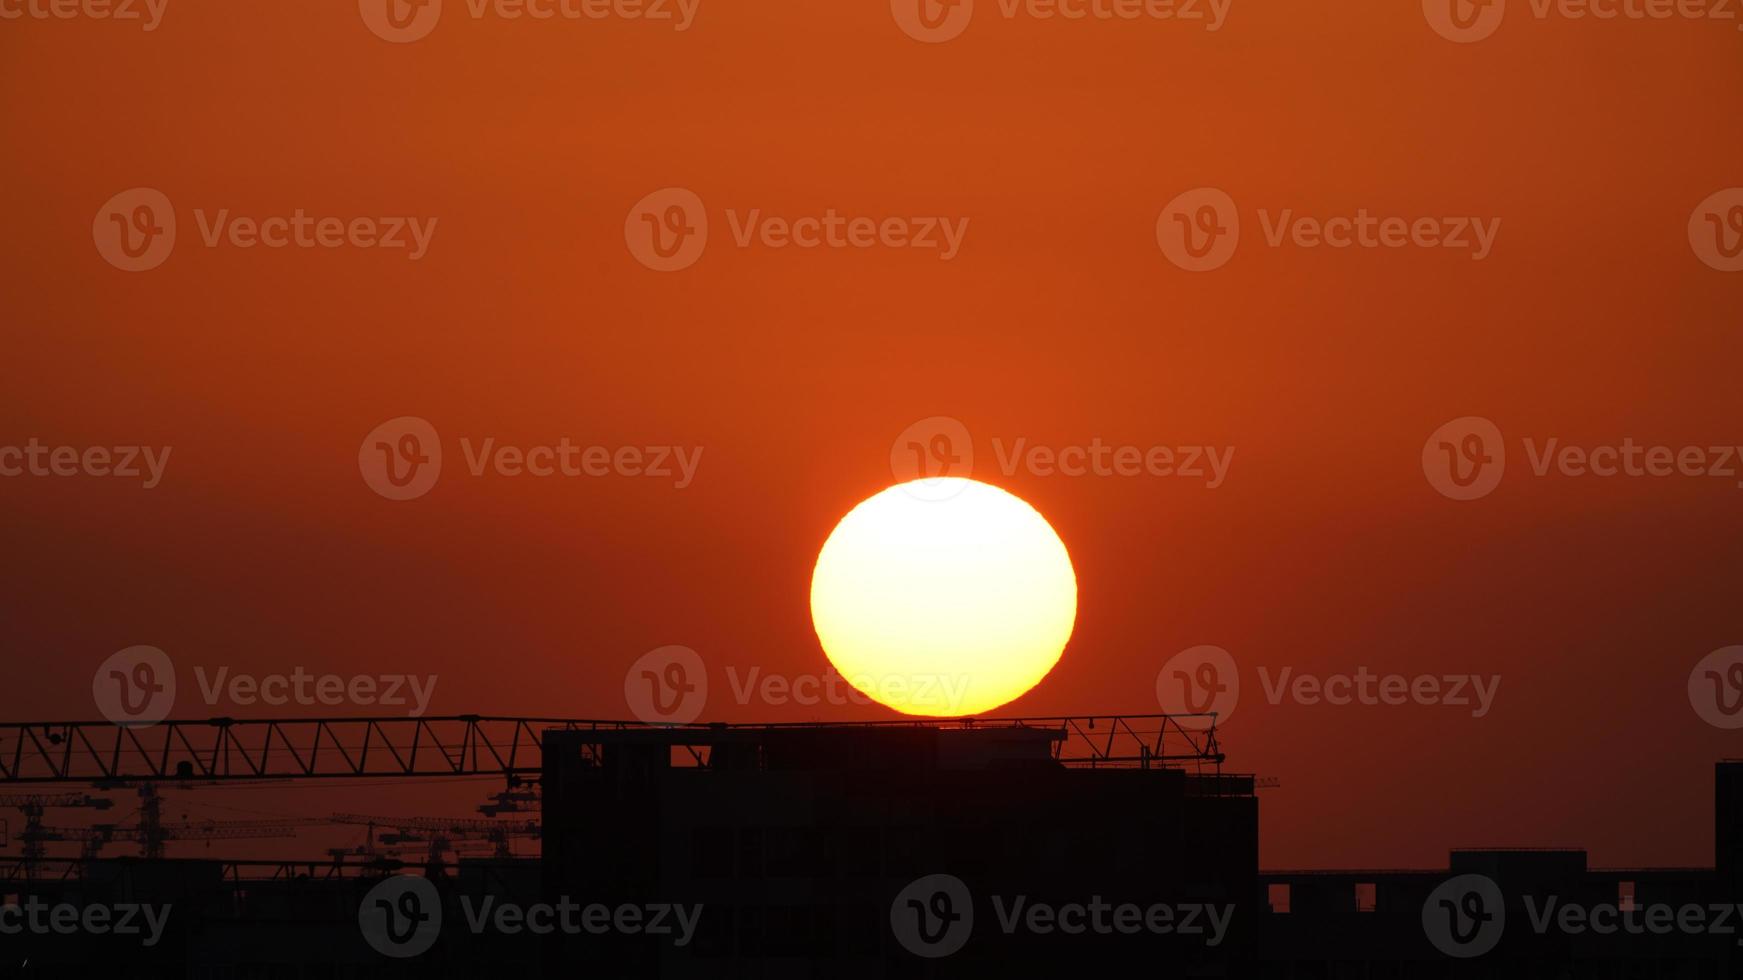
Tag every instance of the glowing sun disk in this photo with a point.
(943, 597)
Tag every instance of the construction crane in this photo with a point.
(442, 834)
(33, 805)
(148, 831)
(226, 751)
(391, 850)
(230, 749)
(520, 797)
(94, 838)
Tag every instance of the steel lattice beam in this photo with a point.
(228, 749)
(225, 749)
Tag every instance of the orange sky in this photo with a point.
(1059, 321)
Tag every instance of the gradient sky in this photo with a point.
(1061, 321)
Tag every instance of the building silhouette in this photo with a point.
(796, 839)
(1027, 848)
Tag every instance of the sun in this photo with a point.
(943, 597)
